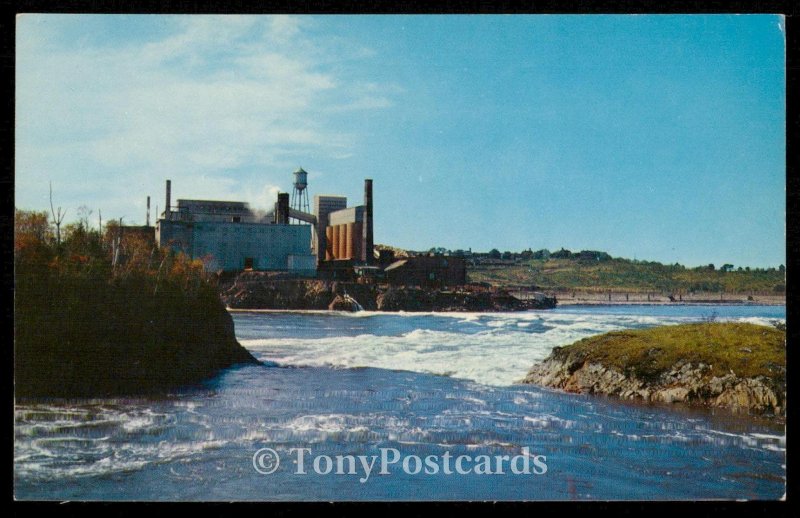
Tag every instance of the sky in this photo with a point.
(651, 137)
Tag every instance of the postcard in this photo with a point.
(400, 257)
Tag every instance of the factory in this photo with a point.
(231, 236)
(327, 240)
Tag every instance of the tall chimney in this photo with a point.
(282, 209)
(169, 199)
(148, 211)
(367, 246)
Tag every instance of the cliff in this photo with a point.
(85, 336)
(737, 366)
(259, 290)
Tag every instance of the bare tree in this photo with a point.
(84, 213)
(58, 217)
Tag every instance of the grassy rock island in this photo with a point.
(738, 366)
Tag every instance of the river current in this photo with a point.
(411, 393)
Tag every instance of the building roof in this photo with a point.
(212, 202)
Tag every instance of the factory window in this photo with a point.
(237, 219)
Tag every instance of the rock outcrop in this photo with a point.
(687, 383)
(572, 370)
(258, 290)
(90, 338)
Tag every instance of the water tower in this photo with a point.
(300, 194)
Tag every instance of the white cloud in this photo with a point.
(220, 102)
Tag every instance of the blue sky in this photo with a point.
(655, 137)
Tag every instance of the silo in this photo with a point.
(351, 236)
(337, 237)
(342, 241)
(328, 243)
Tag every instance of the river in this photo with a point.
(411, 393)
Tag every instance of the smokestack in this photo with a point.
(148, 211)
(367, 245)
(169, 199)
(282, 209)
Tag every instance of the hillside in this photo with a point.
(615, 274)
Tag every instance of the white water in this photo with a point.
(492, 349)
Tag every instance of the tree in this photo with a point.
(30, 224)
(726, 267)
(58, 217)
(711, 266)
(561, 254)
(83, 216)
(32, 238)
(544, 253)
(494, 253)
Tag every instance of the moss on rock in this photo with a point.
(740, 366)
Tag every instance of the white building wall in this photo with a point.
(226, 245)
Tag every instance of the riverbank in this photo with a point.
(738, 366)
(573, 298)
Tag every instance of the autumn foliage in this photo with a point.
(109, 313)
(115, 254)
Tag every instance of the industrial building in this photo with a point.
(334, 241)
(230, 236)
(344, 233)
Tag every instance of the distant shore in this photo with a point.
(581, 298)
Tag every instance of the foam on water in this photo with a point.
(93, 439)
(493, 349)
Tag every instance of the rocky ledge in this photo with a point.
(259, 290)
(741, 367)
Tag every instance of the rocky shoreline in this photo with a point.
(257, 290)
(574, 369)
